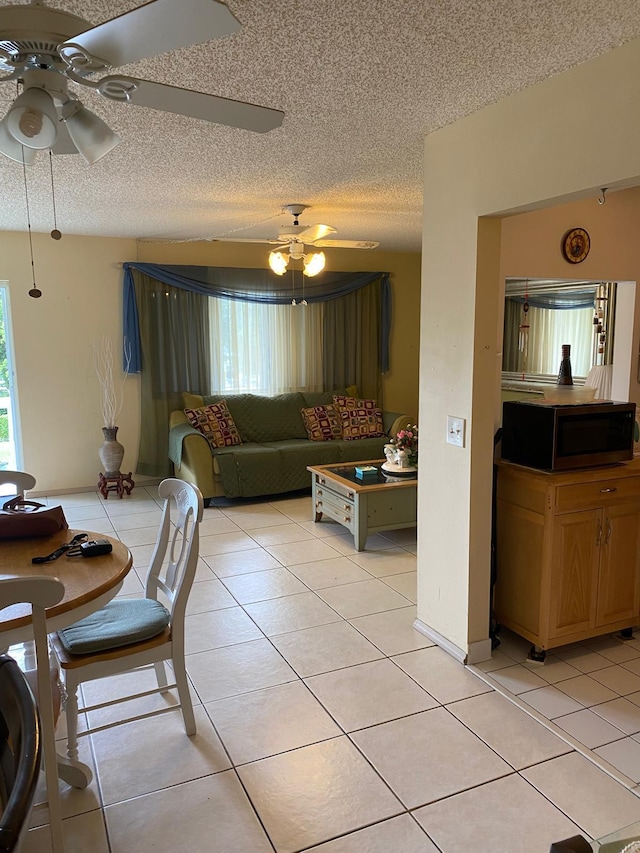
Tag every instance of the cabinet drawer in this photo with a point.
(602, 491)
(333, 506)
(333, 486)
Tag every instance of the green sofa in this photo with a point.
(275, 450)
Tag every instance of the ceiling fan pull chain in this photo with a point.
(55, 234)
(34, 292)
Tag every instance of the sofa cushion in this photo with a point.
(361, 423)
(321, 423)
(215, 423)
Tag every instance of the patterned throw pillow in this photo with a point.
(216, 424)
(321, 423)
(361, 423)
(353, 403)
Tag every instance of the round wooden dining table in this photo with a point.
(89, 584)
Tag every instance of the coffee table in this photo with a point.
(363, 506)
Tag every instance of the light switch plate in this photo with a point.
(455, 430)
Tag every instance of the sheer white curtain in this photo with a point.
(265, 349)
(550, 329)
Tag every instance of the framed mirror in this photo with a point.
(543, 314)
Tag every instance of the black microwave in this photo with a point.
(559, 437)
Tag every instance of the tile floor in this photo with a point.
(327, 723)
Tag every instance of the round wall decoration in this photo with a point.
(575, 245)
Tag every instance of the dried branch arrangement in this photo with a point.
(112, 398)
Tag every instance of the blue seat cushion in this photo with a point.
(119, 623)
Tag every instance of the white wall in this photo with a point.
(541, 146)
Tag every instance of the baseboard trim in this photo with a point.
(441, 641)
(478, 651)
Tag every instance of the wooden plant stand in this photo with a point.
(119, 483)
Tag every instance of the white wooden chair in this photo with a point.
(131, 633)
(41, 592)
(20, 479)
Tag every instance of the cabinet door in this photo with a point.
(619, 584)
(573, 584)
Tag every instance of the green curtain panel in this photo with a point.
(174, 341)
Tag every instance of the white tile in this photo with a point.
(315, 793)
(394, 561)
(518, 678)
(401, 834)
(589, 797)
(621, 713)
(213, 810)
(550, 701)
(362, 598)
(624, 755)
(231, 563)
(583, 658)
(623, 653)
(588, 728)
(327, 647)
(507, 813)
(403, 537)
(326, 573)
(132, 520)
(618, 679)
(139, 536)
(392, 631)
(345, 544)
(76, 514)
(406, 584)
(369, 693)
(511, 732)
(237, 669)
(294, 553)
(223, 543)
(80, 833)
(209, 595)
(429, 756)
(586, 690)
(291, 613)
(217, 525)
(498, 660)
(553, 670)
(259, 586)
(265, 722)
(280, 534)
(251, 519)
(633, 665)
(513, 646)
(127, 767)
(442, 676)
(220, 628)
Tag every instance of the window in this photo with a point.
(266, 349)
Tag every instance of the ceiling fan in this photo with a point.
(295, 237)
(45, 49)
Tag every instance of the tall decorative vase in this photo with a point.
(111, 452)
(564, 374)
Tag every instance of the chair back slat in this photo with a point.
(173, 564)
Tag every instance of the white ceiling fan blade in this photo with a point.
(186, 102)
(347, 244)
(157, 27)
(245, 240)
(314, 233)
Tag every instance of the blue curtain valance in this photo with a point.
(251, 285)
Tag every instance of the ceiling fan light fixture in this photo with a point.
(278, 262)
(32, 119)
(92, 137)
(11, 148)
(314, 263)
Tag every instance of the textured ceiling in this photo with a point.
(361, 84)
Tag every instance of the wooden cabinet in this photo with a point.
(568, 552)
